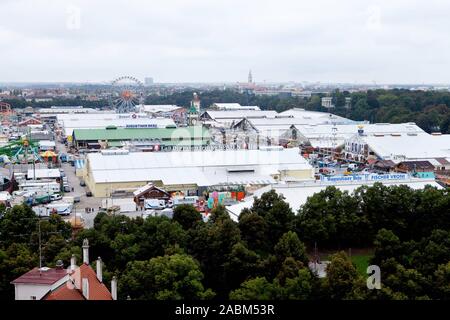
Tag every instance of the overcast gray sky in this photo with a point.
(352, 41)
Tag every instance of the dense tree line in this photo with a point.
(262, 256)
(20, 103)
(278, 103)
(428, 109)
(335, 217)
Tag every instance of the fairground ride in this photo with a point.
(126, 93)
(21, 151)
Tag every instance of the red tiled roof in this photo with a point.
(97, 290)
(64, 292)
(68, 290)
(442, 161)
(45, 276)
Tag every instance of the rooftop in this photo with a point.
(315, 116)
(233, 106)
(398, 148)
(43, 173)
(196, 167)
(70, 125)
(239, 114)
(155, 108)
(141, 133)
(45, 275)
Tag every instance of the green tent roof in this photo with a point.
(141, 133)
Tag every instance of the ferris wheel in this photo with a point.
(127, 92)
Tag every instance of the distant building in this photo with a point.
(65, 109)
(178, 114)
(327, 102)
(194, 110)
(232, 106)
(348, 102)
(302, 94)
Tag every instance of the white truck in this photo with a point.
(154, 204)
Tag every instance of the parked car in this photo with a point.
(88, 194)
(67, 189)
(55, 196)
(82, 183)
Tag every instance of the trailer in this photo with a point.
(61, 208)
(41, 187)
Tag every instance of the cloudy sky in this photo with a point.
(392, 41)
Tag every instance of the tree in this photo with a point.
(442, 281)
(256, 289)
(211, 244)
(174, 277)
(186, 215)
(445, 124)
(290, 245)
(277, 214)
(125, 248)
(341, 276)
(52, 247)
(241, 265)
(427, 122)
(218, 214)
(403, 283)
(158, 234)
(332, 216)
(17, 225)
(254, 230)
(299, 287)
(387, 245)
(289, 269)
(16, 260)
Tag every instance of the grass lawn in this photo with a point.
(362, 262)
(360, 257)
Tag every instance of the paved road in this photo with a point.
(78, 190)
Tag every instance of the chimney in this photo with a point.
(86, 251)
(85, 284)
(114, 288)
(99, 270)
(73, 263)
(59, 265)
